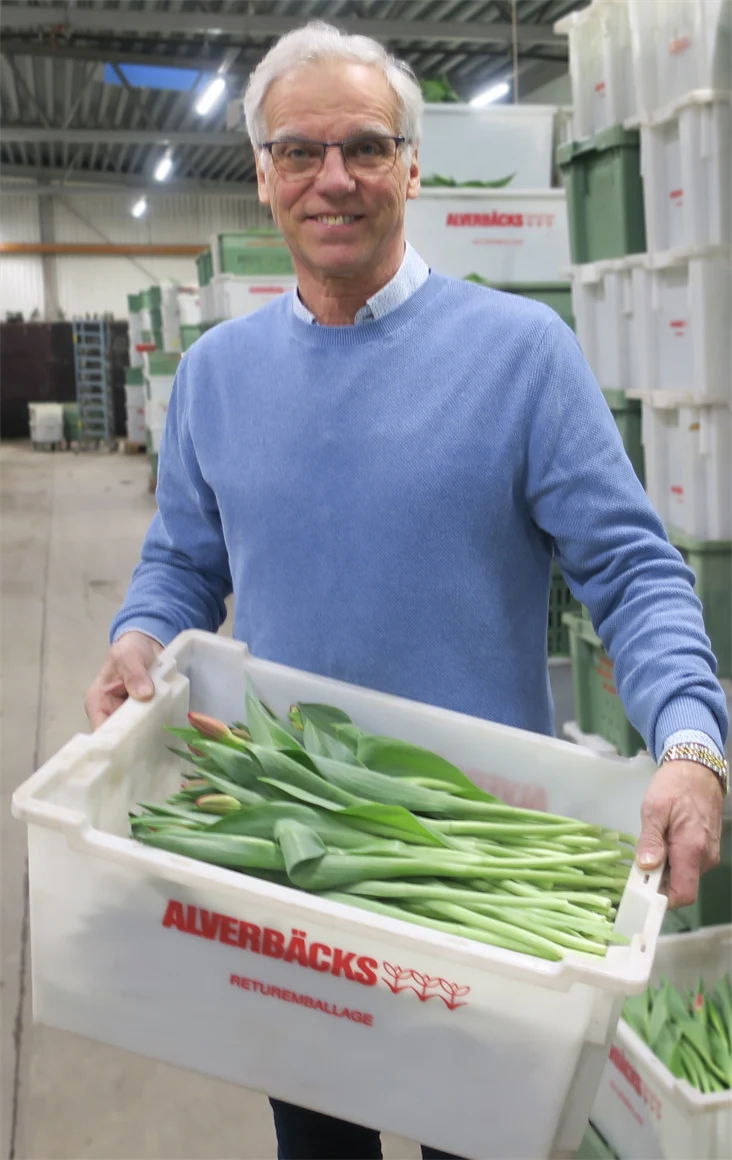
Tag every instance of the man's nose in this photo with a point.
(334, 178)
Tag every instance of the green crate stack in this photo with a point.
(134, 377)
(561, 600)
(711, 563)
(152, 298)
(190, 333)
(604, 187)
(204, 267)
(713, 904)
(72, 430)
(557, 295)
(627, 416)
(598, 707)
(253, 252)
(153, 338)
(161, 362)
(134, 303)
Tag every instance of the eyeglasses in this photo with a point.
(367, 155)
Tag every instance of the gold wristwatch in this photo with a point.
(702, 755)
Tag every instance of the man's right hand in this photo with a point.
(125, 673)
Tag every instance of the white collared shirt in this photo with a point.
(412, 273)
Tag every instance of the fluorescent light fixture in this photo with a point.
(210, 96)
(139, 209)
(164, 168)
(488, 96)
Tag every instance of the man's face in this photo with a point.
(332, 101)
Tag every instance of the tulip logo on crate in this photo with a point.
(626, 1069)
(424, 986)
(315, 956)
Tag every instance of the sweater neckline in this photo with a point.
(365, 332)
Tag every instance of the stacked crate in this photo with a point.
(242, 271)
(649, 197)
(135, 406)
(134, 328)
(159, 375)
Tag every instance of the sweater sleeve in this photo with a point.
(612, 548)
(183, 577)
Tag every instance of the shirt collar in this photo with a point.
(412, 273)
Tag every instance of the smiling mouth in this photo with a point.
(326, 219)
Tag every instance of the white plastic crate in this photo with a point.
(688, 457)
(436, 1038)
(606, 321)
(643, 1111)
(134, 395)
(600, 66)
(232, 295)
(135, 426)
(153, 435)
(683, 307)
(158, 389)
(46, 422)
(134, 330)
(679, 46)
(503, 235)
(470, 144)
(686, 160)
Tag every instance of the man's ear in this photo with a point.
(413, 182)
(262, 191)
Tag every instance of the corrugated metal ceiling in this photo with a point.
(53, 54)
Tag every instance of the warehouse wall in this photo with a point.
(21, 278)
(101, 284)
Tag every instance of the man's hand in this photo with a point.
(124, 674)
(682, 821)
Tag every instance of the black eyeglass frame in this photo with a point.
(325, 145)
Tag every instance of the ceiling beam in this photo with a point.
(28, 179)
(61, 50)
(141, 21)
(38, 134)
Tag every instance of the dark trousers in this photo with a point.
(304, 1135)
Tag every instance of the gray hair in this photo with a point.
(319, 41)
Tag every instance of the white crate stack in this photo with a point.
(658, 325)
(135, 412)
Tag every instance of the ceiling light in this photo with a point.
(164, 168)
(488, 96)
(210, 96)
(139, 209)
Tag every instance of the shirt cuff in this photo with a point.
(151, 628)
(684, 736)
(686, 714)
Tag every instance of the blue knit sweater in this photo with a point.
(384, 501)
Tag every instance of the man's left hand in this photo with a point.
(681, 817)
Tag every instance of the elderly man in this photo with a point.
(381, 465)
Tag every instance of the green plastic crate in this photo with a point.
(156, 319)
(558, 295)
(714, 900)
(711, 562)
(190, 333)
(154, 338)
(604, 187)
(598, 707)
(133, 376)
(254, 252)
(134, 303)
(627, 415)
(161, 362)
(152, 298)
(594, 1147)
(204, 266)
(561, 600)
(72, 429)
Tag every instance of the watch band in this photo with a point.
(702, 755)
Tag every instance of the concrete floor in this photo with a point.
(71, 532)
